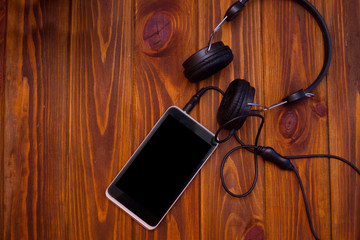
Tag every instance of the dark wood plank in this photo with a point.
(344, 117)
(293, 57)
(165, 35)
(100, 116)
(223, 216)
(2, 109)
(36, 120)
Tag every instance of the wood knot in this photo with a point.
(288, 123)
(255, 232)
(321, 110)
(157, 31)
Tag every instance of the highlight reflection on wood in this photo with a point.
(83, 82)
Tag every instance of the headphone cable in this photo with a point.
(267, 153)
(270, 155)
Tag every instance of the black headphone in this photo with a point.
(238, 99)
(239, 96)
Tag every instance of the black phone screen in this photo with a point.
(163, 166)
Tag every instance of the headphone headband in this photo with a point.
(196, 70)
(327, 43)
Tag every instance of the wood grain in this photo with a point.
(100, 116)
(165, 35)
(83, 82)
(293, 57)
(2, 108)
(344, 117)
(36, 116)
(222, 216)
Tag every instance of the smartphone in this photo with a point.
(162, 167)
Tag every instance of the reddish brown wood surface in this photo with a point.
(36, 121)
(83, 82)
(344, 117)
(2, 107)
(100, 115)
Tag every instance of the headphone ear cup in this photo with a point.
(235, 103)
(204, 63)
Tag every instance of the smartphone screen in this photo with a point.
(162, 167)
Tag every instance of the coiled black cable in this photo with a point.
(267, 153)
(248, 147)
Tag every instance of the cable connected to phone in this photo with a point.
(248, 147)
(196, 98)
(270, 155)
(267, 153)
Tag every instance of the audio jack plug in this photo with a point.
(269, 154)
(196, 98)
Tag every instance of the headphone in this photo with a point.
(239, 96)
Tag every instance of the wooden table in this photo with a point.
(82, 83)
